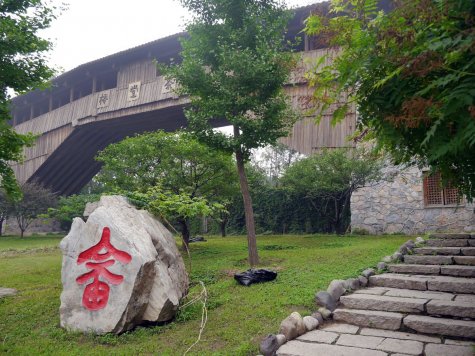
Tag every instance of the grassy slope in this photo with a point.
(238, 316)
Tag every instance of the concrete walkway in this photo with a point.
(424, 306)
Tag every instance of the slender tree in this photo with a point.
(22, 68)
(329, 178)
(35, 200)
(234, 67)
(177, 173)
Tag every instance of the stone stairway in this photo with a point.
(424, 305)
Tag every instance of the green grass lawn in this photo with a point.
(239, 317)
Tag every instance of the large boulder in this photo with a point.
(120, 268)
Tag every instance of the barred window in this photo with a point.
(435, 194)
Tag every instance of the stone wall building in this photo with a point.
(410, 203)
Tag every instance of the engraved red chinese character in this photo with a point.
(96, 293)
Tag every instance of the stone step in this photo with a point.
(403, 281)
(451, 284)
(458, 271)
(446, 270)
(429, 260)
(409, 304)
(303, 348)
(383, 303)
(369, 318)
(465, 260)
(449, 236)
(438, 250)
(439, 260)
(414, 268)
(424, 282)
(410, 293)
(440, 326)
(451, 308)
(468, 251)
(450, 243)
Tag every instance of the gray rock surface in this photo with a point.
(419, 240)
(326, 314)
(352, 283)
(281, 339)
(269, 345)
(325, 299)
(310, 323)
(318, 316)
(292, 326)
(120, 268)
(368, 272)
(381, 266)
(363, 281)
(397, 256)
(336, 288)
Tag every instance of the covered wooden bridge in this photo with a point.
(103, 101)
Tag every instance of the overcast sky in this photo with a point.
(91, 29)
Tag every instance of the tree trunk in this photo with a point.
(248, 211)
(1, 226)
(337, 219)
(222, 226)
(185, 234)
(22, 231)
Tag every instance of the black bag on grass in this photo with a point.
(255, 276)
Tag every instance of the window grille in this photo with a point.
(434, 194)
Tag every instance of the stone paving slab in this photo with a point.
(386, 303)
(4, 292)
(450, 243)
(325, 337)
(408, 347)
(369, 318)
(414, 269)
(372, 291)
(429, 260)
(410, 293)
(447, 350)
(399, 335)
(438, 250)
(341, 328)
(471, 242)
(394, 280)
(440, 326)
(451, 308)
(458, 271)
(367, 342)
(298, 348)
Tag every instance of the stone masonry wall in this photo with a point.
(398, 206)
